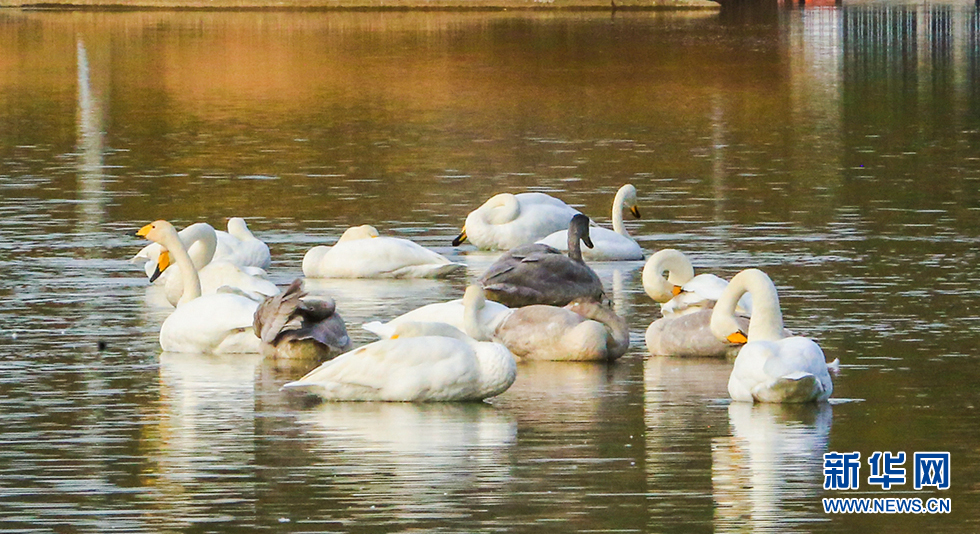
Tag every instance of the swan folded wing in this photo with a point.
(205, 323)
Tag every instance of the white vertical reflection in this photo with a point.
(768, 473)
(91, 189)
(203, 444)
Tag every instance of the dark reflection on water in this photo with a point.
(836, 148)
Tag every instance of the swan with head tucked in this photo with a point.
(770, 367)
(421, 362)
(584, 330)
(609, 245)
(453, 313)
(539, 274)
(217, 323)
(238, 245)
(213, 274)
(362, 253)
(296, 325)
(506, 220)
(686, 301)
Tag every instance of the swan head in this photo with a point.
(461, 238)
(627, 199)
(679, 272)
(158, 232)
(364, 231)
(578, 229)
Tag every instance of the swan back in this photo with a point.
(678, 267)
(506, 221)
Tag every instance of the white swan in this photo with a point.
(506, 220)
(217, 323)
(770, 367)
(609, 245)
(213, 274)
(421, 362)
(361, 253)
(583, 330)
(682, 292)
(238, 245)
(452, 313)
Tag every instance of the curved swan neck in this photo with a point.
(767, 318)
(201, 242)
(625, 197)
(473, 301)
(192, 282)
(616, 325)
(679, 272)
(504, 208)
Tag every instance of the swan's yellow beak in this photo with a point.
(635, 210)
(737, 338)
(677, 290)
(460, 238)
(145, 230)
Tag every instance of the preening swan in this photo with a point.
(421, 362)
(506, 221)
(539, 274)
(682, 292)
(298, 326)
(770, 367)
(238, 245)
(201, 240)
(686, 301)
(218, 323)
(609, 245)
(581, 331)
(362, 253)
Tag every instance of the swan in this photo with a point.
(296, 326)
(237, 245)
(506, 220)
(615, 244)
(770, 367)
(682, 292)
(217, 323)
(362, 253)
(583, 330)
(490, 314)
(213, 274)
(539, 274)
(421, 362)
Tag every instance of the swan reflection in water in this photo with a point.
(768, 473)
(416, 459)
(202, 445)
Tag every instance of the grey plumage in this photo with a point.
(295, 325)
(540, 274)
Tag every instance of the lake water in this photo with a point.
(838, 149)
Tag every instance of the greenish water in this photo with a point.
(838, 149)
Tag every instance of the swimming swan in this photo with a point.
(361, 253)
(217, 323)
(583, 330)
(421, 362)
(506, 220)
(770, 367)
(609, 245)
(213, 274)
(298, 326)
(539, 274)
(238, 245)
